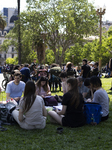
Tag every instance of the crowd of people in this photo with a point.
(79, 85)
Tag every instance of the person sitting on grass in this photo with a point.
(82, 88)
(100, 96)
(72, 107)
(15, 88)
(32, 112)
(42, 87)
(90, 92)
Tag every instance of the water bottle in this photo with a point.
(101, 113)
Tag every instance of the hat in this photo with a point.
(46, 65)
(92, 63)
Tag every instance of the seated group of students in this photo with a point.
(32, 112)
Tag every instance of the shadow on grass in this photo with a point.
(110, 106)
(110, 92)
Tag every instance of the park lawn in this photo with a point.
(88, 137)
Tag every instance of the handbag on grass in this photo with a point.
(6, 113)
(50, 101)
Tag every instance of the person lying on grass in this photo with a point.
(72, 107)
(32, 112)
(100, 96)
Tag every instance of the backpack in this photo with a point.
(71, 72)
(92, 112)
(6, 117)
(55, 71)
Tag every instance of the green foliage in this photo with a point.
(13, 61)
(93, 50)
(2, 22)
(74, 54)
(65, 22)
(32, 55)
(110, 31)
(49, 57)
(59, 24)
(5, 45)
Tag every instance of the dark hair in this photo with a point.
(29, 95)
(80, 79)
(63, 74)
(74, 91)
(87, 82)
(69, 65)
(26, 65)
(42, 67)
(85, 60)
(17, 67)
(95, 81)
(22, 65)
(45, 87)
(18, 73)
(96, 64)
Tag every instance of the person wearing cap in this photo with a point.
(47, 67)
(92, 65)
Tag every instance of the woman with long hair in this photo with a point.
(42, 87)
(72, 107)
(32, 113)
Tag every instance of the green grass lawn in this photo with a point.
(88, 137)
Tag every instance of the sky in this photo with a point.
(100, 3)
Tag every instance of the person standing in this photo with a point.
(25, 71)
(85, 70)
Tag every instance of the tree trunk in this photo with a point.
(40, 48)
(62, 56)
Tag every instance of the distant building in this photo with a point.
(106, 24)
(11, 16)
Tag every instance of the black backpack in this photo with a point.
(55, 71)
(6, 117)
(71, 72)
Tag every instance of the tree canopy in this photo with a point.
(59, 24)
(2, 22)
